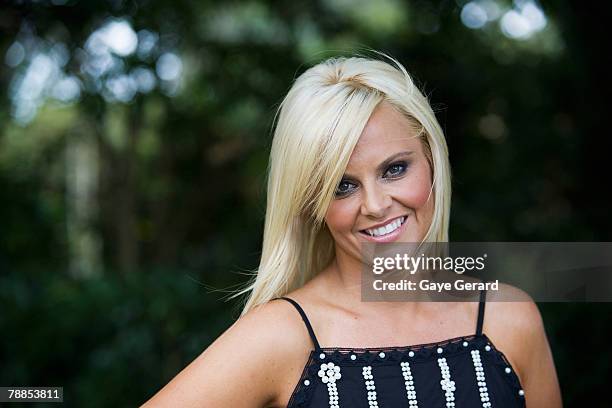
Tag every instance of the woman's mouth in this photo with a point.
(387, 232)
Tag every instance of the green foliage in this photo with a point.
(107, 341)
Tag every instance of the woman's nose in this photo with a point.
(376, 202)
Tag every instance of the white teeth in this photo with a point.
(386, 229)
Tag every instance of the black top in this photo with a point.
(467, 371)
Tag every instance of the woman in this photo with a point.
(358, 156)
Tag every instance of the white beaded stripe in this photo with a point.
(408, 380)
(480, 379)
(448, 386)
(329, 374)
(370, 387)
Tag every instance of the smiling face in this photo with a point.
(384, 195)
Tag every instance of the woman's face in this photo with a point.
(384, 195)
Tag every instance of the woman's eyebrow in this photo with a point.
(383, 166)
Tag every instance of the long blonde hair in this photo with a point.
(318, 125)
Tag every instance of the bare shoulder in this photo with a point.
(264, 323)
(513, 312)
(514, 324)
(512, 308)
(250, 355)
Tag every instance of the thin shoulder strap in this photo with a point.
(481, 309)
(305, 319)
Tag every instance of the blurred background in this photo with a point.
(134, 138)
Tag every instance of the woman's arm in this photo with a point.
(540, 381)
(518, 331)
(239, 369)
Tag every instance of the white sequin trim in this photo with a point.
(480, 380)
(448, 386)
(329, 374)
(370, 387)
(410, 391)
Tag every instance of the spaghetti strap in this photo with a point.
(481, 309)
(305, 319)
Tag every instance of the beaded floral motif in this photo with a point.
(370, 387)
(480, 379)
(329, 373)
(448, 386)
(408, 380)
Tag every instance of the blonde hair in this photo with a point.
(318, 125)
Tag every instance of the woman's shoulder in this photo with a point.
(256, 334)
(253, 352)
(259, 331)
(266, 320)
(512, 307)
(514, 324)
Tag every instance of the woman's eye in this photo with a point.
(344, 188)
(396, 170)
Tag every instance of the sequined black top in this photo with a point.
(467, 371)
